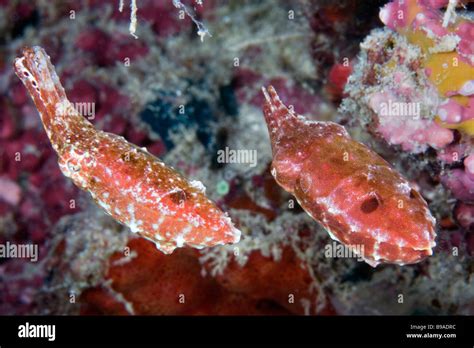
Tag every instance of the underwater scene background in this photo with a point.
(183, 79)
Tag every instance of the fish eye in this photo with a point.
(414, 194)
(370, 205)
(178, 197)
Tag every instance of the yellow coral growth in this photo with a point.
(443, 65)
(465, 127)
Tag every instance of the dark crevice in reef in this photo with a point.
(32, 19)
(361, 272)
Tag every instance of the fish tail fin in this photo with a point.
(277, 115)
(37, 73)
(273, 108)
(35, 70)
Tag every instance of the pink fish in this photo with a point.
(130, 184)
(353, 192)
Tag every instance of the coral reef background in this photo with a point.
(184, 100)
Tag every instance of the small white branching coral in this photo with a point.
(202, 31)
(133, 16)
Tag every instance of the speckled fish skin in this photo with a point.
(129, 183)
(349, 189)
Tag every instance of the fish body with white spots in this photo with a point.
(130, 184)
(349, 189)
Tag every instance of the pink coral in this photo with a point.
(469, 166)
(466, 46)
(392, 15)
(400, 123)
(106, 49)
(452, 153)
(10, 192)
(464, 214)
(337, 79)
(460, 183)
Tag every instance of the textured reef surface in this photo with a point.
(397, 76)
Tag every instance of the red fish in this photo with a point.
(354, 193)
(129, 183)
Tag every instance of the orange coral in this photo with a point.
(285, 282)
(154, 283)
